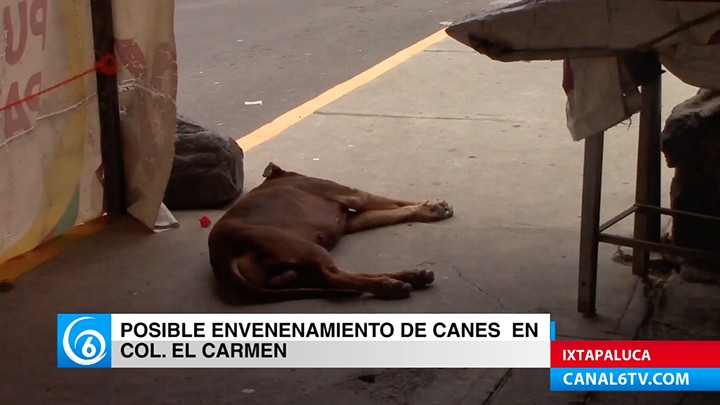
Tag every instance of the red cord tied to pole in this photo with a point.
(107, 65)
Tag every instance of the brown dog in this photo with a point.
(274, 243)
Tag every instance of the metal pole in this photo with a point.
(648, 186)
(590, 223)
(109, 107)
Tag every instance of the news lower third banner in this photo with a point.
(303, 340)
(384, 341)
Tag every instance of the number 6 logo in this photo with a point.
(89, 350)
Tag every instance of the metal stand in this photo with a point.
(647, 210)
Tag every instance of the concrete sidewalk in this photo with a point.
(488, 137)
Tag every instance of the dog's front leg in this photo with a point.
(364, 201)
(429, 211)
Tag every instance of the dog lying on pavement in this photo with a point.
(274, 244)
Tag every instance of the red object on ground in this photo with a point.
(205, 221)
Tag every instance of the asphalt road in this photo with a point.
(286, 52)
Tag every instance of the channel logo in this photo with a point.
(83, 341)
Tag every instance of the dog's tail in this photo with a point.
(284, 294)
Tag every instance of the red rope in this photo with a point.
(105, 65)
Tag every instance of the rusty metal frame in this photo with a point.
(646, 210)
(656, 246)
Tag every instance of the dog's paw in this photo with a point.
(423, 278)
(417, 278)
(433, 210)
(393, 289)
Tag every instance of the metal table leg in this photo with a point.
(647, 192)
(590, 223)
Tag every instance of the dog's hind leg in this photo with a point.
(279, 287)
(279, 265)
(429, 211)
(378, 285)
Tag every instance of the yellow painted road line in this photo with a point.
(15, 267)
(18, 265)
(292, 117)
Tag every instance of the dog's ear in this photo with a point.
(272, 170)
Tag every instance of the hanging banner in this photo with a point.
(51, 170)
(50, 164)
(145, 46)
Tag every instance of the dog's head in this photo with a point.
(273, 171)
